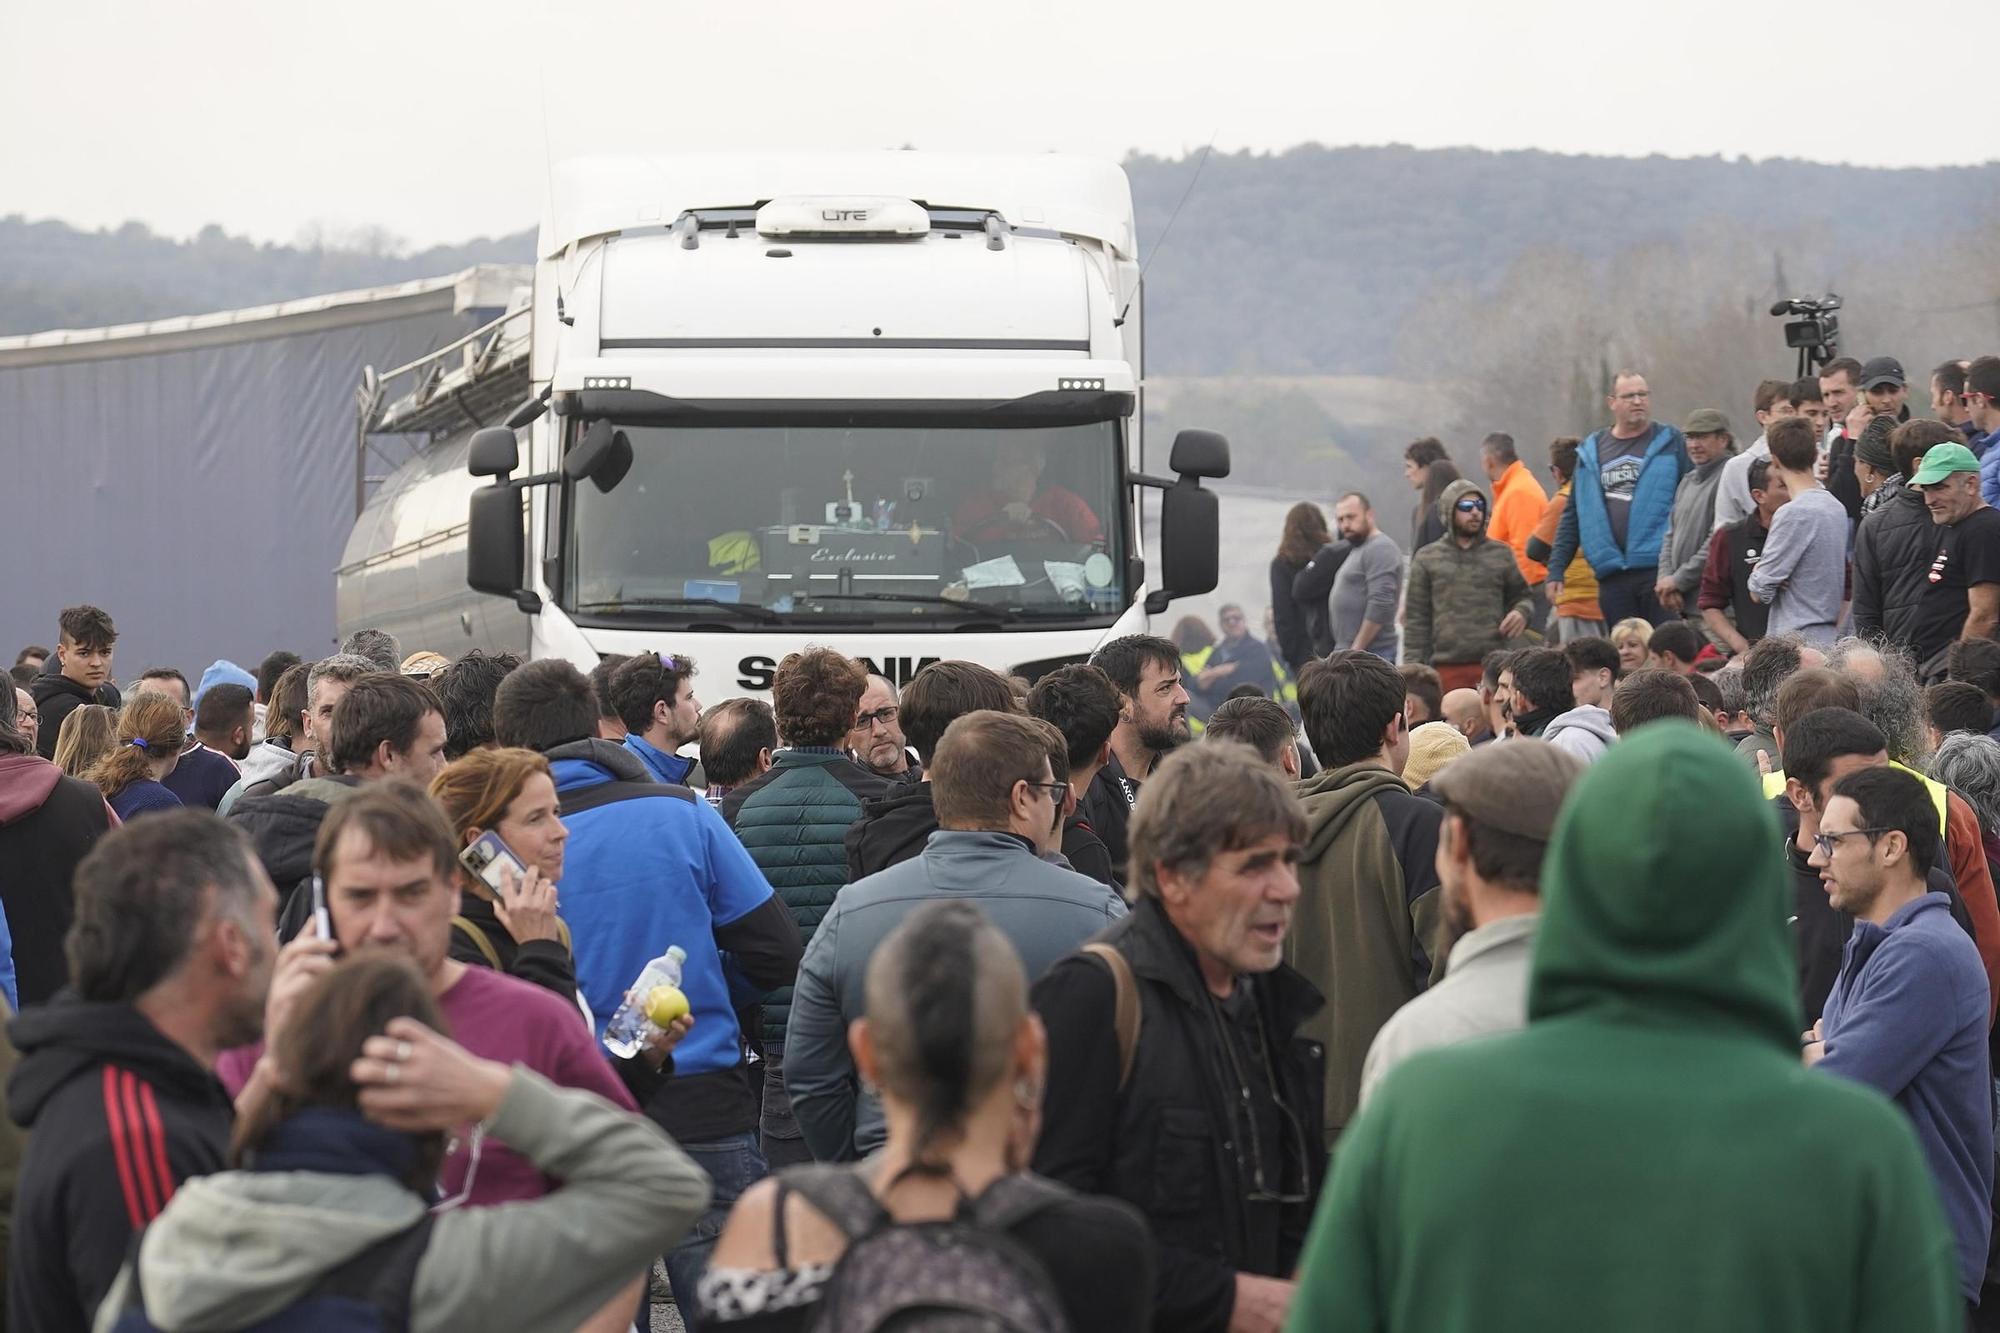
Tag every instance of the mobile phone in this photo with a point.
(321, 921)
(488, 857)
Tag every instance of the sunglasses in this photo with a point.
(1470, 506)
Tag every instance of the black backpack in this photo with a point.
(370, 1293)
(965, 1275)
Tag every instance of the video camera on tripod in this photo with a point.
(1816, 331)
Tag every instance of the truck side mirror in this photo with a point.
(1199, 453)
(1190, 520)
(1190, 539)
(494, 453)
(496, 544)
(603, 456)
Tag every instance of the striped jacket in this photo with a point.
(120, 1116)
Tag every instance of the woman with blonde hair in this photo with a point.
(1630, 637)
(87, 735)
(151, 731)
(512, 928)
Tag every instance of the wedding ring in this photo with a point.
(395, 1072)
(403, 1051)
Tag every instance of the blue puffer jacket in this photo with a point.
(1585, 524)
(793, 821)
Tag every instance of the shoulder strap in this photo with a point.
(1125, 1012)
(479, 941)
(1012, 1200)
(840, 1193)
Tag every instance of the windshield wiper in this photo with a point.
(967, 607)
(741, 610)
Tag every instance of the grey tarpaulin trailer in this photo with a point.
(197, 477)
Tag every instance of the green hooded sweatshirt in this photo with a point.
(1649, 1154)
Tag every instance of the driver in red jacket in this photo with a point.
(1018, 505)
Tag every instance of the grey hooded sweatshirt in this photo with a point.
(240, 1246)
(1584, 731)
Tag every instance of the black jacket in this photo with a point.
(1108, 808)
(544, 963)
(120, 1116)
(1841, 481)
(1312, 586)
(891, 830)
(1169, 1142)
(1300, 617)
(48, 822)
(283, 827)
(1820, 932)
(57, 696)
(1085, 851)
(1892, 559)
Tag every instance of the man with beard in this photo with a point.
(1152, 719)
(1366, 932)
(877, 742)
(1500, 805)
(1467, 596)
(654, 696)
(170, 960)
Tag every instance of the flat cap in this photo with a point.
(1514, 786)
(1706, 421)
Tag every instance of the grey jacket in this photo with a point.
(235, 1248)
(1684, 550)
(1045, 909)
(1484, 991)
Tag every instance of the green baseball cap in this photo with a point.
(1941, 461)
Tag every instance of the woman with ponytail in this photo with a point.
(958, 1060)
(150, 736)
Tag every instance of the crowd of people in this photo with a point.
(1589, 921)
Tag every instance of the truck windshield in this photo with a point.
(854, 524)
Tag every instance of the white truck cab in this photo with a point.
(886, 402)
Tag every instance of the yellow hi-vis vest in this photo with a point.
(1774, 785)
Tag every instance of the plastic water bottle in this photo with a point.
(629, 1028)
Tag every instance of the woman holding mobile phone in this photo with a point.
(508, 921)
(508, 907)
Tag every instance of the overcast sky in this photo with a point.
(431, 118)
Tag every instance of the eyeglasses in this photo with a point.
(1638, 397)
(1470, 506)
(29, 715)
(880, 717)
(1825, 841)
(1057, 790)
